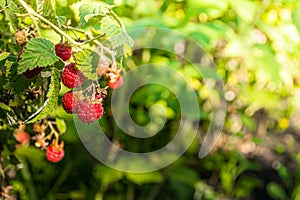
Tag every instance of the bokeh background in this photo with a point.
(256, 46)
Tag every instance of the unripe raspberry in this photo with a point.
(115, 83)
(22, 137)
(90, 112)
(20, 37)
(72, 77)
(63, 50)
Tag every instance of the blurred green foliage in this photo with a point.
(256, 46)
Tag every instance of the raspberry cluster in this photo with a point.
(89, 108)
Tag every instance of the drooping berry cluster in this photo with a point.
(46, 137)
(76, 101)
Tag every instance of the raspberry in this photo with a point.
(115, 83)
(63, 50)
(22, 137)
(72, 77)
(20, 37)
(31, 73)
(69, 103)
(102, 67)
(90, 112)
(55, 153)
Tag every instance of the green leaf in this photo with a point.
(152, 177)
(90, 10)
(10, 16)
(38, 52)
(52, 98)
(2, 3)
(4, 55)
(107, 175)
(275, 191)
(84, 61)
(116, 35)
(296, 18)
(3, 106)
(245, 9)
(61, 125)
(8, 65)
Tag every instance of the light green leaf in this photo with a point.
(84, 64)
(10, 16)
(8, 65)
(4, 55)
(2, 3)
(52, 98)
(245, 9)
(38, 52)
(61, 125)
(152, 177)
(296, 18)
(116, 35)
(3, 106)
(90, 10)
(40, 6)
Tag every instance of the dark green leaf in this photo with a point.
(38, 52)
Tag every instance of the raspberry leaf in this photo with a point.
(116, 35)
(91, 10)
(10, 10)
(84, 61)
(38, 52)
(4, 55)
(52, 98)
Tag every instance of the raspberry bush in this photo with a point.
(43, 53)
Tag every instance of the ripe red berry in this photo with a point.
(31, 73)
(69, 103)
(90, 112)
(72, 77)
(116, 83)
(55, 153)
(63, 50)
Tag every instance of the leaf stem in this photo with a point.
(57, 29)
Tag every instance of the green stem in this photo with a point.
(57, 29)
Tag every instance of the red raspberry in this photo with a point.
(90, 112)
(63, 50)
(69, 103)
(116, 83)
(72, 77)
(55, 153)
(31, 73)
(22, 137)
